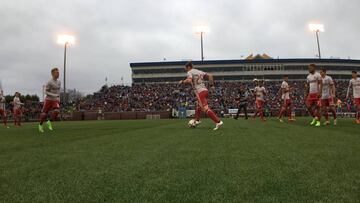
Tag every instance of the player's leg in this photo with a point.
(261, 111)
(199, 109)
(15, 115)
(19, 117)
(55, 106)
(290, 109)
(257, 107)
(282, 110)
(44, 112)
(245, 111)
(238, 111)
(325, 111)
(318, 113)
(4, 117)
(333, 111)
(203, 100)
(358, 112)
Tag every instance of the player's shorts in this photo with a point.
(49, 105)
(17, 112)
(357, 101)
(287, 103)
(2, 112)
(312, 99)
(202, 98)
(327, 102)
(259, 104)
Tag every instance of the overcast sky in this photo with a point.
(112, 33)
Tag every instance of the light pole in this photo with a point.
(317, 28)
(202, 30)
(65, 40)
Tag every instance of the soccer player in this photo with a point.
(259, 93)
(313, 93)
(355, 85)
(243, 101)
(17, 109)
(196, 79)
(285, 96)
(3, 108)
(327, 97)
(52, 100)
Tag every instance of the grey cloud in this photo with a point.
(111, 33)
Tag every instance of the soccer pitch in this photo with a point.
(165, 161)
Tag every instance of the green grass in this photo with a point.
(164, 161)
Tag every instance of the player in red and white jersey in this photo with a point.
(312, 94)
(355, 85)
(327, 97)
(287, 102)
(259, 93)
(52, 100)
(17, 109)
(3, 108)
(196, 79)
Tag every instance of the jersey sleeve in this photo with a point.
(189, 75)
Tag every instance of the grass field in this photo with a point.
(164, 161)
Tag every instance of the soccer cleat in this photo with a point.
(335, 121)
(313, 122)
(318, 124)
(357, 121)
(197, 123)
(49, 125)
(7, 127)
(218, 125)
(281, 120)
(41, 129)
(326, 123)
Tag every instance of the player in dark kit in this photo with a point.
(243, 102)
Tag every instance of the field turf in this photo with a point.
(164, 161)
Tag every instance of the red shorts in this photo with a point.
(312, 99)
(259, 104)
(357, 101)
(49, 105)
(287, 103)
(2, 112)
(202, 98)
(327, 102)
(17, 112)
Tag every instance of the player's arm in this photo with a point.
(186, 81)
(348, 91)
(306, 89)
(320, 87)
(333, 89)
(211, 79)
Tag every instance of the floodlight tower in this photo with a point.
(317, 28)
(65, 40)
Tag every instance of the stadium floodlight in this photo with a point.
(65, 40)
(316, 28)
(201, 30)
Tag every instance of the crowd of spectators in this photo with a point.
(168, 96)
(160, 97)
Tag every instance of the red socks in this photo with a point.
(198, 113)
(213, 116)
(54, 115)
